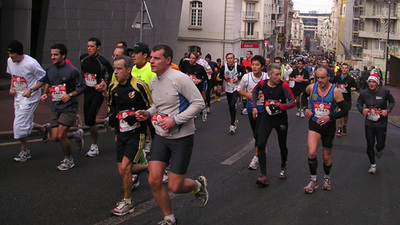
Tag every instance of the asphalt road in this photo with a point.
(34, 192)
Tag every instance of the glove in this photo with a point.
(131, 120)
(273, 109)
(112, 120)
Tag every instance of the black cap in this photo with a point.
(15, 47)
(141, 47)
(208, 56)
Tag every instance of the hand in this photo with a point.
(323, 120)
(27, 93)
(142, 115)
(366, 111)
(308, 113)
(166, 123)
(43, 98)
(255, 113)
(101, 87)
(273, 109)
(65, 98)
(11, 91)
(384, 112)
(235, 80)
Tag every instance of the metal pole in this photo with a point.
(141, 21)
(387, 46)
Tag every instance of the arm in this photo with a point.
(344, 108)
(360, 103)
(304, 100)
(29, 92)
(12, 90)
(291, 102)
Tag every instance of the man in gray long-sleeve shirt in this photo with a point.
(176, 101)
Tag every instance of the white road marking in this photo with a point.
(17, 142)
(239, 154)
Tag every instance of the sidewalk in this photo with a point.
(42, 113)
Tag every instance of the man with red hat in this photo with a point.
(375, 103)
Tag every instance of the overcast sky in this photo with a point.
(322, 6)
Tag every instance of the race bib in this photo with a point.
(90, 79)
(231, 83)
(155, 120)
(193, 77)
(19, 83)
(260, 100)
(374, 114)
(291, 83)
(299, 77)
(272, 102)
(123, 125)
(342, 88)
(209, 76)
(57, 91)
(321, 109)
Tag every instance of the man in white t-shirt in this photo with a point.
(25, 71)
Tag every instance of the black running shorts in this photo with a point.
(327, 132)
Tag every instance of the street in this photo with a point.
(35, 192)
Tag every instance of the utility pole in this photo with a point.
(387, 46)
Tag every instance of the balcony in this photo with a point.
(251, 16)
(251, 0)
(247, 36)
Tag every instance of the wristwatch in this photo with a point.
(70, 95)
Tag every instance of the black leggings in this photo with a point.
(267, 124)
(372, 133)
(232, 98)
(91, 105)
(210, 85)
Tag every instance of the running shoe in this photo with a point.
(339, 132)
(135, 181)
(79, 139)
(23, 156)
(282, 174)
(46, 133)
(202, 193)
(232, 129)
(379, 154)
(93, 151)
(244, 112)
(298, 113)
(78, 122)
(208, 109)
(236, 122)
(168, 222)
(263, 180)
(106, 124)
(254, 163)
(66, 165)
(123, 208)
(311, 186)
(372, 170)
(344, 131)
(165, 178)
(302, 114)
(204, 116)
(326, 184)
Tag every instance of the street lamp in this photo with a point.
(387, 46)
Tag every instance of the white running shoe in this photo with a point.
(208, 109)
(94, 150)
(372, 170)
(254, 163)
(298, 113)
(79, 139)
(23, 156)
(165, 178)
(123, 208)
(232, 129)
(204, 116)
(302, 114)
(66, 165)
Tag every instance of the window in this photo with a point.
(365, 43)
(196, 13)
(379, 45)
(250, 10)
(250, 29)
(377, 26)
(194, 48)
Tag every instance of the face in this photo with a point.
(300, 65)
(322, 78)
(14, 57)
(117, 52)
(121, 73)
(159, 64)
(345, 69)
(236, 60)
(192, 59)
(230, 60)
(256, 67)
(248, 55)
(278, 62)
(92, 49)
(139, 58)
(372, 85)
(267, 61)
(56, 57)
(324, 63)
(275, 76)
(208, 60)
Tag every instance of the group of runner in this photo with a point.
(148, 99)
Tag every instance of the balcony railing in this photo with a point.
(251, 15)
(253, 36)
(251, 0)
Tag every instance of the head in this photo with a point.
(322, 76)
(122, 44)
(208, 58)
(257, 64)
(219, 62)
(373, 82)
(300, 64)
(193, 57)
(278, 60)
(236, 60)
(345, 69)
(267, 61)
(160, 58)
(15, 51)
(58, 54)
(93, 46)
(274, 72)
(230, 57)
(122, 67)
(324, 62)
(119, 51)
(140, 53)
(249, 55)
(199, 54)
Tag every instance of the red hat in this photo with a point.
(374, 77)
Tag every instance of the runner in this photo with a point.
(65, 84)
(278, 98)
(173, 117)
(376, 110)
(324, 97)
(246, 86)
(300, 78)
